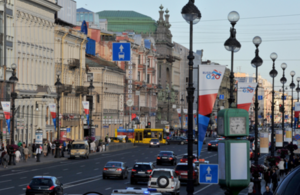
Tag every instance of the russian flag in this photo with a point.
(86, 106)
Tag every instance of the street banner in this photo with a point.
(86, 106)
(210, 78)
(179, 114)
(6, 110)
(52, 108)
(278, 138)
(288, 135)
(38, 137)
(297, 109)
(245, 95)
(63, 133)
(123, 132)
(264, 143)
(297, 139)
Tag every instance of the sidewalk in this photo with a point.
(50, 159)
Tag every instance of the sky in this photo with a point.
(277, 22)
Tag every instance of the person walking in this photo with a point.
(286, 166)
(26, 153)
(5, 158)
(274, 180)
(268, 191)
(93, 147)
(281, 167)
(250, 187)
(33, 149)
(21, 150)
(53, 148)
(48, 148)
(18, 156)
(69, 147)
(267, 176)
(126, 138)
(45, 149)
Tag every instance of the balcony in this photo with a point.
(74, 63)
(81, 90)
(67, 89)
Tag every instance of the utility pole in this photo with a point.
(4, 41)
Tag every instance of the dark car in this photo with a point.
(115, 169)
(44, 185)
(141, 171)
(185, 158)
(181, 171)
(166, 157)
(176, 140)
(212, 145)
(290, 185)
(154, 143)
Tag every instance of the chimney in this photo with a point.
(161, 13)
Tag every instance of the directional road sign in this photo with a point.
(209, 174)
(260, 97)
(221, 97)
(121, 51)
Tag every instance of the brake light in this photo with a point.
(119, 169)
(177, 172)
(186, 140)
(209, 144)
(150, 176)
(158, 157)
(149, 171)
(171, 158)
(194, 160)
(201, 160)
(105, 169)
(51, 188)
(133, 170)
(28, 188)
(216, 144)
(181, 160)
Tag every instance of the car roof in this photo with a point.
(114, 162)
(144, 163)
(167, 151)
(162, 169)
(184, 164)
(47, 177)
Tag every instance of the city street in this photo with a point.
(80, 175)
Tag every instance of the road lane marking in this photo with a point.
(6, 188)
(5, 181)
(202, 188)
(107, 188)
(66, 169)
(95, 169)
(24, 184)
(82, 166)
(45, 173)
(79, 173)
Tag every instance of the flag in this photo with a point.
(86, 106)
(210, 77)
(53, 113)
(6, 110)
(245, 95)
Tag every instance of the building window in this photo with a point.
(149, 65)
(187, 79)
(148, 78)
(139, 76)
(139, 59)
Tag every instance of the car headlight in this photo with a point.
(151, 143)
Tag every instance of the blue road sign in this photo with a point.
(209, 174)
(121, 51)
(260, 97)
(259, 116)
(221, 97)
(284, 97)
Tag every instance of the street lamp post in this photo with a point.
(91, 88)
(58, 86)
(181, 121)
(273, 74)
(298, 88)
(232, 45)
(14, 96)
(192, 16)
(292, 86)
(283, 81)
(256, 62)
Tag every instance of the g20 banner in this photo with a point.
(245, 95)
(52, 108)
(6, 110)
(86, 106)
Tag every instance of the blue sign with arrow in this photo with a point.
(260, 97)
(208, 174)
(121, 52)
(221, 97)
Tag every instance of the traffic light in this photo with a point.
(148, 125)
(280, 108)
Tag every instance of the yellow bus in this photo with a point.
(142, 136)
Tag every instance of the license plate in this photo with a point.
(141, 172)
(183, 173)
(165, 157)
(153, 183)
(111, 169)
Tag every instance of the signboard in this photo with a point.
(260, 97)
(288, 135)
(208, 174)
(264, 143)
(123, 132)
(221, 97)
(297, 139)
(63, 133)
(245, 94)
(278, 138)
(121, 52)
(283, 98)
(167, 128)
(39, 137)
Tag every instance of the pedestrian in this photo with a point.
(53, 148)
(268, 191)
(291, 165)
(267, 176)
(281, 167)
(26, 153)
(18, 156)
(45, 149)
(126, 139)
(100, 145)
(21, 150)
(19, 143)
(106, 138)
(64, 146)
(250, 187)
(5, 158)
(34, 149)
(93, 147)
(69, 147)
(274, 180)
(48, 148)
(286, 166)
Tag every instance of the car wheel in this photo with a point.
(208, 149)
(162, 181)
(104, 177)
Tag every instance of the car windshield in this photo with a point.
(181, 168)
(113, 164)
(141, 167)
(41, 182)
(157, 174)
(154, 140)
(165, 154)
(78, 146)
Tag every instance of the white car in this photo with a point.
(135, 191)
(164, 180)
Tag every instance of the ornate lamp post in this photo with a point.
(283, 81)
(14, 95)
(91, 88)
(58, 86)
(232, 45)
(273, 74)
(192, 16)
(292, 86)
(256, 62)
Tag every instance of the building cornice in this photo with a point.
(47, 4)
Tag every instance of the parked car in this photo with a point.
(181, 170)
(166, 157)
(212, 145)
(44, 185)
(176, 140)
(154, 143)
(141, 172)
(164, 181)
(115, 169)
(185, 158)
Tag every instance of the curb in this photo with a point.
(10, 167)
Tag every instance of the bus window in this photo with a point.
(147, 134)
(160, 136)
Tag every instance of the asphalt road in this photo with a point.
(82, 175)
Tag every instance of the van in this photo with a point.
(80, 149)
